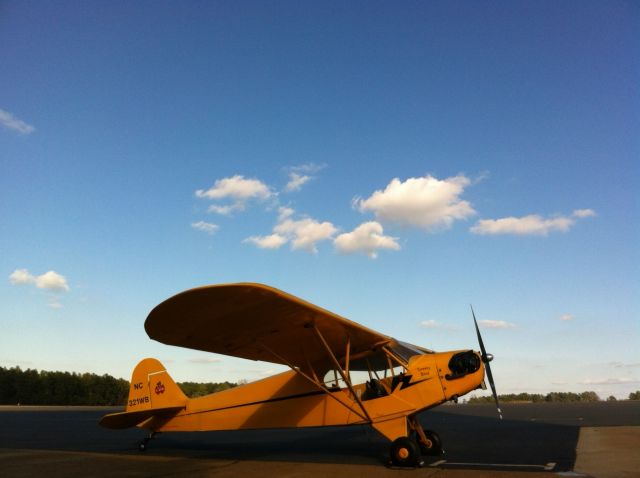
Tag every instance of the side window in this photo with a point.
(333, 378)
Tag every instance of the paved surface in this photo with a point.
(532, 440)
(609, 452)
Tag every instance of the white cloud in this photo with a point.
(50, 280)
(272, 241)
(533, 224)
(301, 174)
(296, 181)
(610, 381)
(236, 188)
(367, 238)
(11, 122)
(495, 324)
(424, 202)
(54, 305)
(205, 360)
(624, 365)
(284, 212)
(308, 168)
(584, 213)
(305, 233)
(527, 225)
(207, 227)
(226, 209)
(302, 233)
(434, 324)
(21, 276)
(567, 318)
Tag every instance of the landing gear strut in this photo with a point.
(407, 451)
(434, 446)
(428, 441)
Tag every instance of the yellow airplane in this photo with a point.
(326, 354)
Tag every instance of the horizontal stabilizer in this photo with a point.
(132, 419)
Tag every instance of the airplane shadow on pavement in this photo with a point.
(470, 441)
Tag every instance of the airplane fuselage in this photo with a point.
(289, 400)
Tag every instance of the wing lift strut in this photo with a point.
(360, 410)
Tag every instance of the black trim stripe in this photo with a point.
(260, 402)
(293, 397)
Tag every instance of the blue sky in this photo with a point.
(390, 161)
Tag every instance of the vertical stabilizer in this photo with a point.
(152, 387)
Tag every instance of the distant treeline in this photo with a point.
(193, 389)
(550, 397)
(32, 387)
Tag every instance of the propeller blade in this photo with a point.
(482, 349)
(486, 361)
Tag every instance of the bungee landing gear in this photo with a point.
(408, 451)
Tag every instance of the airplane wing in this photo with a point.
(258, 322)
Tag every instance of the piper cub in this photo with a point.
(324, 352)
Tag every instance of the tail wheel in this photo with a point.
(405, 452)
(436, 444)
(144, 443)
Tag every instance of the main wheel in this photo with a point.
(142, 446)
(436, 444)
(405, 452)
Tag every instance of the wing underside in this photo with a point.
(258, 322)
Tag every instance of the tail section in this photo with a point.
(152, 387)
(152, 393)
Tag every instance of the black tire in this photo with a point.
(405, 452)
(142, 446)
(436, 444)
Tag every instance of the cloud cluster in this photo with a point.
(532, 224)
(50, 280)
(15, 124)
(303, 234)
(427, 202)
(367, 238)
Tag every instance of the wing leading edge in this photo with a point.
(258, 322)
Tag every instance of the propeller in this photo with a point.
(486, 358)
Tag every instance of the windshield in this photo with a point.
(405, 350)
